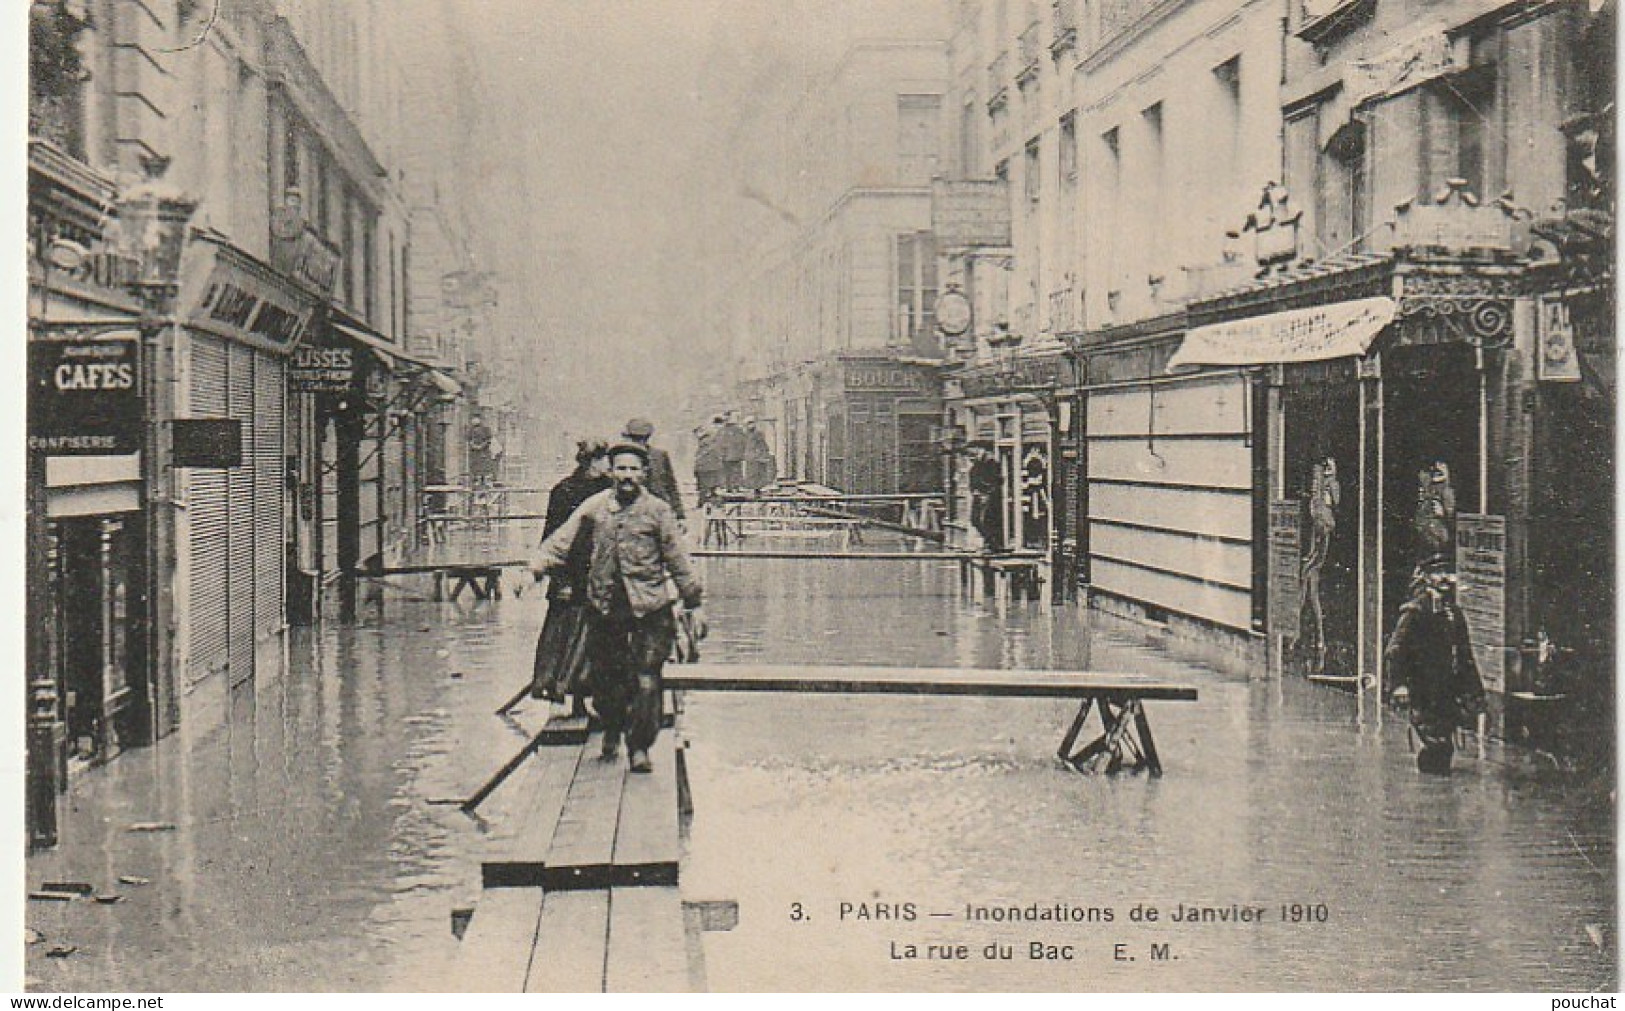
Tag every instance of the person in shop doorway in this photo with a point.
(637, 557)
(1430, 659)
(986, 481)
(661, 477)
(560, 667)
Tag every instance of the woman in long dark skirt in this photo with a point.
(561, 650)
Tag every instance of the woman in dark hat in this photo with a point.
(561, 651)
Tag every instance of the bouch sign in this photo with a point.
(84, 396)
(884, 379)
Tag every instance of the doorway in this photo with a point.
(1322, 466)
(96, 579)
(1430, 459)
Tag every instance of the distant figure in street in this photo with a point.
(637, 554)
(707, 462)
(760, 465)
(732, 446)
(1430, 658)
(986, 480)
(481, 461)
(561, 649)
(660, 477)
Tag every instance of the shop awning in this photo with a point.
(1298, 335)
(387, 352)
(443, 382)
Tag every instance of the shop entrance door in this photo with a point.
(104, 698)
(1322, 468)
(1430, 459)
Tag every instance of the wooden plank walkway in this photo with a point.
(918, 681)
(583, 895)
(1125, 742)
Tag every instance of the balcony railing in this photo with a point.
(1064, 18)
(1029, 49)
(998, 81)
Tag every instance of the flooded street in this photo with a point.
(295, 846)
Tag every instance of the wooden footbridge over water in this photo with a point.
(588, 892)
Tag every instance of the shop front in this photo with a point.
(1014, 485)
(1170, 519)
(877, 416)
(240, 322)
(1405, 398)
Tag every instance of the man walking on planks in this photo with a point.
(636, 546)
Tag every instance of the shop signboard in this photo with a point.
(884, 379)
(1285, 568)
(967, 213)
(84, 396)
(322, 369)
(1557, 360)
(229, 294)
(1481, 591)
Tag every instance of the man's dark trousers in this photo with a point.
(628, 653)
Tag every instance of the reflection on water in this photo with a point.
(305, 853)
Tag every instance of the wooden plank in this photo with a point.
(646, 840)
(517, 860)
(919, 681)
(584, 843)
(494, 955)
(570, 943)
(648, 952)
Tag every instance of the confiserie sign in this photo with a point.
(84, 396)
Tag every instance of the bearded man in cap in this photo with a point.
(661, 479)
(637, 553)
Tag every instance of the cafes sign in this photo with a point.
(84, 396)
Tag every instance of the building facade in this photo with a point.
(832, 333)
(1271, 310)
(211, 222)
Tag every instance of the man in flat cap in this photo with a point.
(636, 546)
(661, 478)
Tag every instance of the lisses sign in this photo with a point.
(323, 369)
(84, 396)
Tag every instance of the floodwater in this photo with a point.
(294, 845)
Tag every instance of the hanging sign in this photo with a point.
(1339, 330)
(84, 396)
(1481, 578)
(1558, 361)
(1285, 568)
(322, 369)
